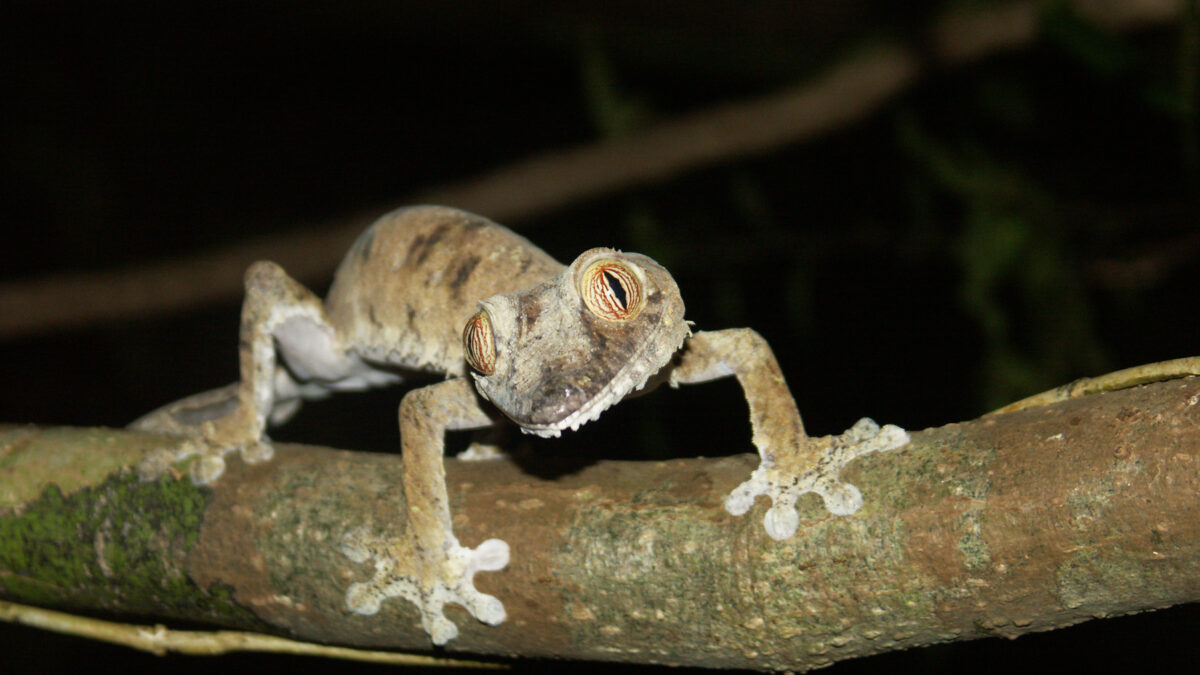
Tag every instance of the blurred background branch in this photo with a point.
(842, 94)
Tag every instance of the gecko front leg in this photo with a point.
(793, 463)
(426, 564)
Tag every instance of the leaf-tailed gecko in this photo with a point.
(551, 347)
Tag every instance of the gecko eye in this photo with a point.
(478, 344)
(611, 291)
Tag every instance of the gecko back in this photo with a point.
(410, 282)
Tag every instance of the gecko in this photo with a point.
(518, 335)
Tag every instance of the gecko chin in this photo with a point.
(563, 400)
(566, 406)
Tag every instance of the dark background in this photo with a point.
(999, 228)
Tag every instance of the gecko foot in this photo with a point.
(480, 452)
(209, 462)
(428, 584)
(213, 425)
(784, 483)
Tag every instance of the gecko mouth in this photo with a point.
(632, 378)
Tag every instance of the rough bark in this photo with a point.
(1021, 522)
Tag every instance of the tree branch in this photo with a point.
(1020, 522)
(843, 94)
(160, 640)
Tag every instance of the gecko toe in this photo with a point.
(781, 521)
(441, 630)
(207, 468)
(253, 453)
(361, 599)
(488, 609)
(489, 556)
(742, 497)
(842, 499)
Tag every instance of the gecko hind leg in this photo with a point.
(280, 317)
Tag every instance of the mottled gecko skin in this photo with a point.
(411, 281)
(551, 347)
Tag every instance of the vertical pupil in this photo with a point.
(614, 284)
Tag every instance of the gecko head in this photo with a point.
(557, 355)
